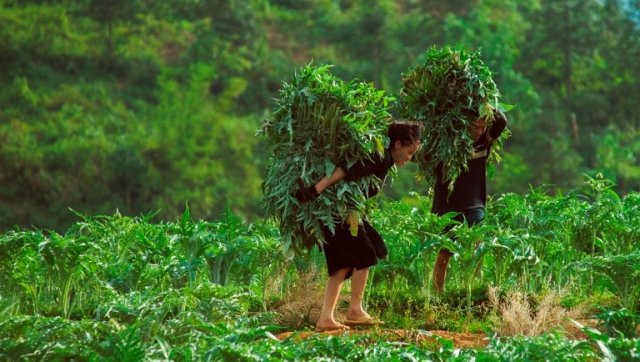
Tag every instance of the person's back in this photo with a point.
(469, 189)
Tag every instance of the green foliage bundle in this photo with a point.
(320, 121)
(447, 91)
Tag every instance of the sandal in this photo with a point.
(363, 321)
(337, 327)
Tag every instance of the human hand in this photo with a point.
(499, 116)
(306, 193)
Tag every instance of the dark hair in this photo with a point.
(406, 132)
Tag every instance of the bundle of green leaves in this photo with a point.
(447, 91)
(319, 121)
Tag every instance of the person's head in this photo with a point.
(404, 139)
(478, 125)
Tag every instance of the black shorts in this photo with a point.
(343, 250)
(471, 217)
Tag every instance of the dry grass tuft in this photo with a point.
(304, 304)
(517, 317)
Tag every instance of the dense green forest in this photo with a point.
(141, 106)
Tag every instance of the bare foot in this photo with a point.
(327, 327)
(357, 314)
(329, 324)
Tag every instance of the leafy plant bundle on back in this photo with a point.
(319, 121)
(447, 91)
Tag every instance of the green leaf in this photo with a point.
(328, 167)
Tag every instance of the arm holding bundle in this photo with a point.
(306, 194)
(360, 169)
(498, 125)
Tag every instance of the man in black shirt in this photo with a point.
(469, 194)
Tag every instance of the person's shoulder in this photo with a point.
(387, 157)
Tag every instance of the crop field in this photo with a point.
(552, 278)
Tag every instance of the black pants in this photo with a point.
(471, 217)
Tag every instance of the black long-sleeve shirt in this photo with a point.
(470, 188)
(379, 165)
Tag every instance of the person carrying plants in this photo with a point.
(469, 194)
(352, 256)
(452, 93)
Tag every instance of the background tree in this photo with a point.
(108, 12)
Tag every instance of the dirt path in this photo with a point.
(434, 338)
(459, 339)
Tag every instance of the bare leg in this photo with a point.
(358, 283)
(331, 295)
(440, 269)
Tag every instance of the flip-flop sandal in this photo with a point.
(364, 321)
(338, 327)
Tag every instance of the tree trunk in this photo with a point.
(109, 39)
(568, 81)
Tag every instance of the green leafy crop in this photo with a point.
(447, 91)
(319, 121)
